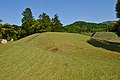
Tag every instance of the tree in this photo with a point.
(28, 16)
(28, 21)
(118, 9)
(1, 20)
(7, 31)
(116, 28)
(45, 24)
(57, 26)
(21, 33)
(28, 27)
(118, 16)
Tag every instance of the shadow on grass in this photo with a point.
(112, 46)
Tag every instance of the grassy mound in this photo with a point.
(106, 36)
(57, 56)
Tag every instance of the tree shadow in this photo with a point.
(112, 46)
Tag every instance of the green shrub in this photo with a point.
(105, 35)
(15, 37)
(0, 35)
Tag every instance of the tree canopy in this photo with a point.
(27, 15)
(81, 26)
(46, 24)
(117, 26)
(57, 25)
(118, 9)
(1, 20)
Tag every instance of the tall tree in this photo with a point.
(45, 24)
(1, 20)
(57, 26)
(28, 21)
(118, 16)
(28, 16)
(28, 27)
(118, 9)
(116, 28)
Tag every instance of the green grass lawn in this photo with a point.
(57, 56)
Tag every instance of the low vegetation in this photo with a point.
(57, 56)
(44, 23)
(44, 49)
(108, 36)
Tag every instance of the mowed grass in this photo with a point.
(57, 56)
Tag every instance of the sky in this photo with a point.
(68, 11)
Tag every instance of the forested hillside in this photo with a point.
(82, 26)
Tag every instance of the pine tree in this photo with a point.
(118, 16)
(57, 26)
(28, 16)
(28, 21)
(118, 9)
(1, 20)
(45, 24)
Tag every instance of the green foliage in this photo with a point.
(28, 21)
(1, 35)
(57, 26)
(81, 26)
(27, 15)
(7, 31)
(45, 24)
(116, 27)
(21, 33)
(1, 20)
(15, 37)
(118, 9)
(28, 27)
(112, 27)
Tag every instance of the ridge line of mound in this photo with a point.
(32, 38)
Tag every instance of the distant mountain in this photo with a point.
(107, 22)
(82, 26)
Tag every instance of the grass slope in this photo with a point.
(57, 56)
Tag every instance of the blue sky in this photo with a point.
(68, 11)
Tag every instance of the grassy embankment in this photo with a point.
(57, 56)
